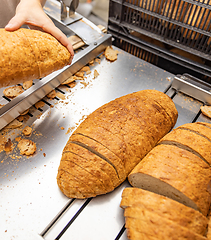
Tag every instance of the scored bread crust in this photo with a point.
(93, 164)
(122, 132)
(72, 186)
(163, 206)
(103, 152)
(29, 54)
(129, 121)
(199, 145)
(107, 169)
(182, 170)
(85, 178)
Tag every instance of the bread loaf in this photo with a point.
(135, 200)
(29, 54)
(179, 167)
(109, 143)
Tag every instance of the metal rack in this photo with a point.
(164, 22)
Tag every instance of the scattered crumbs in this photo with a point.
(85, 69)
(84, 83)
(88, 72)
(60, 95)
(27, 84)
(27, 147)
(96, 74)
(91, 62)
(70, 129)
(17, 139)
(111, 54)
(39, 116)
(8, 145)
(13, 92)
(79, 74)
(69, 80)
(97, 60)
(206, 110)
(62, 128)
(51, 95)
(27, 131)
(39, 104)
(44, 154)
(72, 84)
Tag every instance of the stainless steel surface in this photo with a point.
(31, 205)
(77, 24)
(193, 87)
(63, 10)
(73, 6)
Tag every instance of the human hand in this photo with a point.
(30, 12)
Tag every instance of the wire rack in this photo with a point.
(176, 30)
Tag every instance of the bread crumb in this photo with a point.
(13, 92)
(72, 84)
(61, 96)
(8, 145)
(17, 139)
(206, 110)
(25, 112)
(39, 104)
(79, 74)
(85, 69)
(111, 54)
(51, 94)
(69, 80)
(27, 131)
(96, 74)
(27, 84)
(27, 147)
(88, 72)
(91, 62)
(62, 128)
(14, 124)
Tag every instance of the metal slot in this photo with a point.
(193, 87)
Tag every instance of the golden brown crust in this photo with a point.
(194, 142)
(29, 54)
(179, 168)
(154, 226)
(85, 178)
(102, 150)
(72, 187)
(90, 161)
(127, 127)
(138, 199)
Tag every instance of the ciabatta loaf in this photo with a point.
(109, 143)
(29, 54)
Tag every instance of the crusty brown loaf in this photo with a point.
(29, 54)
(138, 199)
(114, 138)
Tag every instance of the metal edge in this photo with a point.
(192, 90)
